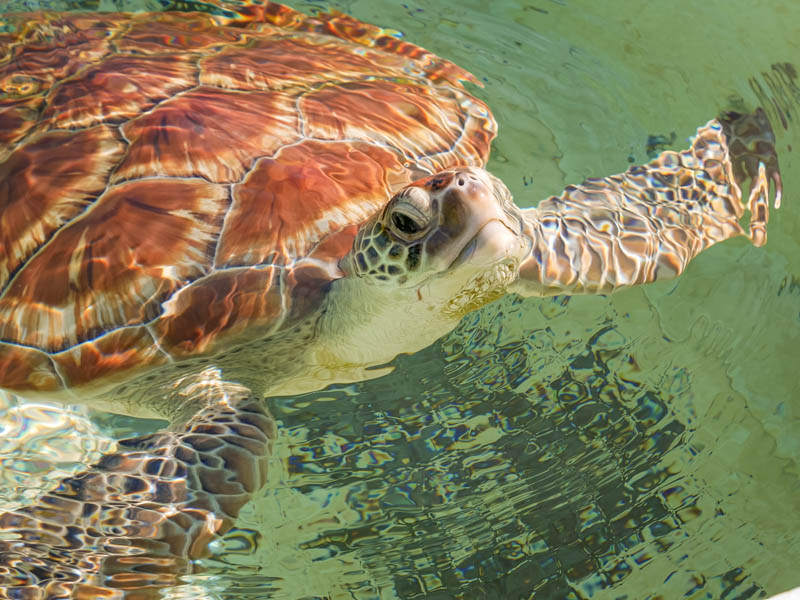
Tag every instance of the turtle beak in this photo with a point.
(477, 223)
(494, 242)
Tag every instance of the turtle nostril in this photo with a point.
(461, 181)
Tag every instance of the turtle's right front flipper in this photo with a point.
(647, 224)
(130, 525)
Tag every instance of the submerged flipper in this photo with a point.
(130, 525)
(647, 224)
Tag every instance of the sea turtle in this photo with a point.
(198, 211)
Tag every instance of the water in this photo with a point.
(634, 446)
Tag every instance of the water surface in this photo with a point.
(635, 446)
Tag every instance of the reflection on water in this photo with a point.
(489, 481)
(638, 446)
(567, 451)
(40, 443)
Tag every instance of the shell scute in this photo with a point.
(344, 27)
(116, 355)
(76, 164)
(237, 302)
(26, 81)
(17, 118)
(170, 33)
(425, 124)
(57, 53)
(115, 265)
(307, 282)
(335, 245)
(210, 133)
(288, 203)
(27, 369)
(118, 88)
(296, 62)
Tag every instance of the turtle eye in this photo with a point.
(410, 213)
(406, 224)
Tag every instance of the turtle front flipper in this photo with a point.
(130, 524)
(647, 224)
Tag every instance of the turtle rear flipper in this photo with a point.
(647, 224)
(132, 523)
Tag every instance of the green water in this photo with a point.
(636, 446)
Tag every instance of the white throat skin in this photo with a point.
(366, 325)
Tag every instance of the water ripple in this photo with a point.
(637, 446)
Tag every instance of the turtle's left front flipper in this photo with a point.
(130, 525)
(647, 224)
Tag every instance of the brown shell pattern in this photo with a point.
(170, 181)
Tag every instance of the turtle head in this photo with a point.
(453, 239)
(441, 247)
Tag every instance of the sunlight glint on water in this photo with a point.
(637, 446)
